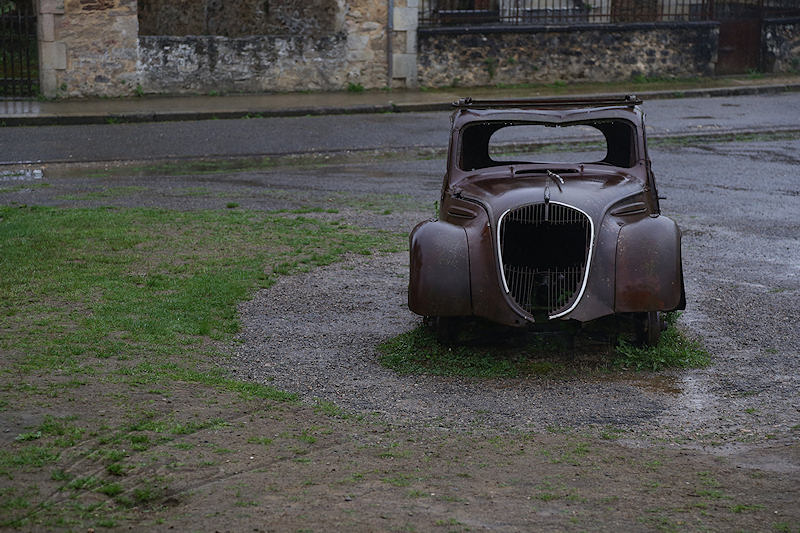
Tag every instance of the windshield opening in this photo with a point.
(489, 144)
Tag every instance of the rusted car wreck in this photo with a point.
(520, 241)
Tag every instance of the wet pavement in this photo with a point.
(386, 132)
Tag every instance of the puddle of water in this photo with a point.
(659, 383)
(695, 397)
(782, 459)
(27, 174)
(663, 384)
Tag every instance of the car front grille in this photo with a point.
(544, 252)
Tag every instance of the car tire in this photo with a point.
(446, 329)
(648, 328)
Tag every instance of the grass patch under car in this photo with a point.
(506, 356)
(674, 350)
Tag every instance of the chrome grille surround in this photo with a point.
(555, 289)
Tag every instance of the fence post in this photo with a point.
(52, 53)
(405, 20)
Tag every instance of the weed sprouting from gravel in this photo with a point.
(674, 350)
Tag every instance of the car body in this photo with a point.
(520, 241)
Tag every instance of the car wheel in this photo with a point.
(446, 328)
(648, 328)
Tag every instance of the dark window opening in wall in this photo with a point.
(19, 49)
(781, 8)
(459, 12)
(564, 12)
(639, 11)
(433, 13)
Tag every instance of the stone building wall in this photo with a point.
(781, 40)
(240, 18)
(123, 47)
(88, 47)
(96, 48)
(405, 19)
(201, 64)
(586, 52)
(261, 46)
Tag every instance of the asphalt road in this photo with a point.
(337, 133)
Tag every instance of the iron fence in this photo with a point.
(562, 12)
(19, 52)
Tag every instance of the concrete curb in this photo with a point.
(389, 107)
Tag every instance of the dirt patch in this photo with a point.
(365, 449)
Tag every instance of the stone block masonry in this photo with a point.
(781, 45)
(200, 64)
(269, 45)
(587, 52)
(96, 48)
(240, 18)
(405, 17)
(124, 47)
(88, 47)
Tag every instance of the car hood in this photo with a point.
(592, 192)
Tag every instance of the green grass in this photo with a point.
(674, 350)
(746, 508)
(641, 79)
(419, 352)
(28, 456)
(136, 300)
(329, 408)
(355, 87)
(86, 285)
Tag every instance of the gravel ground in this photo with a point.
(737, 203)
(315, 334)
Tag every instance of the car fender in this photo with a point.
(439, 270)
(648, 266)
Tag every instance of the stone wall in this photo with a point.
(88, 47)
(404, 22)
(93, 47)
(781, 40)
(123, 47)
(248, 64)
(583, 52)
(240, 18)
(262, 46)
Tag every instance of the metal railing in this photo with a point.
(19, 53)
(433, 13)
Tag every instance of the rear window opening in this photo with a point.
(489, 144)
